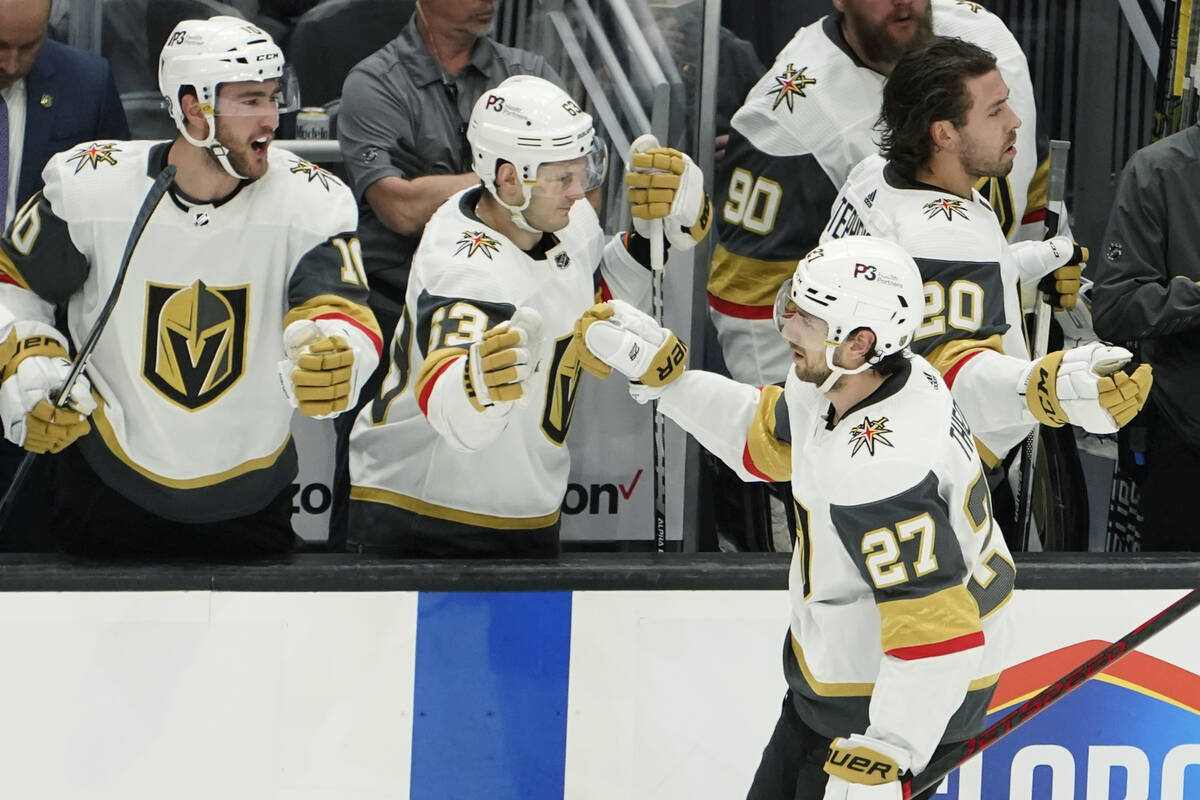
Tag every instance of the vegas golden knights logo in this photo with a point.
(562, 383)
(194, 344)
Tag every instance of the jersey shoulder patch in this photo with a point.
(316, 198)
(101, 175)
(808, 83)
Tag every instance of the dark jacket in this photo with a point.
(1146, 273)
(70, 97)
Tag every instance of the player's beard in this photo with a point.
(978, 165)
(879, 46)
(241, 159)
(810, 371)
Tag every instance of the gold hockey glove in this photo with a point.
(632, 343)
(33, 368)
(1082, 386)
(499, 367)
(323, 377)
(664, 183)
(1061, 286)
(864, 768)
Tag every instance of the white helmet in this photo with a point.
(203, 54)
(857, 282)
(528, 121)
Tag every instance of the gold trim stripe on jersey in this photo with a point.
(938, 617)
(861, 689)
(109, 437)
(372, 495)
(747, 281)
(771, 457)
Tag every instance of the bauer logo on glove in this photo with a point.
(33, 368)
(617, 335)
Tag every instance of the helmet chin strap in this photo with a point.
(836, 372)
(222, 154)
(219, 151)
(516, 213)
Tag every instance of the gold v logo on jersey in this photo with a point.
(477, 242)
(951, 208)
(562, 384)
(194, 343)
(791, 85)
(93, 156)
(313, 172)
(868, 434)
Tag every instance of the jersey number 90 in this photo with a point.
(753, 202)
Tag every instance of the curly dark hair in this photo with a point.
(928, 84)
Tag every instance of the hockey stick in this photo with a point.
(1168, 41)
(648, 141)
(157, 190)
(941, 767)
(660, 439)
(1055, 193)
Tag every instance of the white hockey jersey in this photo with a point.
(420, 448)
(971, 291)
(802, 128)
(192, 423)
(899, 577)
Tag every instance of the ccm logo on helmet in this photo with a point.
(267, 57)
(864, 271)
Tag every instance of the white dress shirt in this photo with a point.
(14, 97)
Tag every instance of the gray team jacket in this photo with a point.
(1146, 273)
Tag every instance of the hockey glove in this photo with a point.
(863, 768)
(665, 184)
(1082, 386)
(318, 375)
(499, 367)
(34, 369)
(597, 313)
(1056, 265)
(632, 343)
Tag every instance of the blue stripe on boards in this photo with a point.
(490, 696)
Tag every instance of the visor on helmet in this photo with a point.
(257, 98)
(785, 306)
(557, 178)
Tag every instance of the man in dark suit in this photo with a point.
(69, 96)
(52, 97)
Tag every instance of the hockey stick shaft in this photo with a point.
(1164, 78)
(659, 437)
(940, 768)
(157, 190)
(1055, 193)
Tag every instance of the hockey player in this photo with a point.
(946, 123)
(802, 127)
(899, 577)
(247, 276)
(464, 451)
